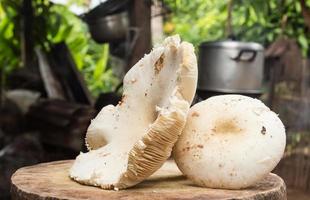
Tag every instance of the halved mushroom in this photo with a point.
(131, 141)
(229, 141)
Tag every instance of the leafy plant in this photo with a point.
(54, 23)
(9, 41)
(255, 20)
(196, 21)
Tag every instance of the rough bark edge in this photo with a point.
(275, 194)
(278, 193)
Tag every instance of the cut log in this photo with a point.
(61, 123)
(51, 181)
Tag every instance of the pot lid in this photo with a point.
(229, 44)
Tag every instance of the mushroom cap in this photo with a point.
(230, 142)
(130, 141)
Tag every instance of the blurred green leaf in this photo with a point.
(102, 62)
(304, 43)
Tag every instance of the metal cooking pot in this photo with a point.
(231, 67)
(110, 28)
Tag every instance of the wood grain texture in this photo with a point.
(51, 181)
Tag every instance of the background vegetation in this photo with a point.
(251, 20)
(55, 23)
(196, 21)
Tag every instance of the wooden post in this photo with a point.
(27, 50)
(274, 68)
(305, 12)
(1, 87)
(140, 18)
(229, 28)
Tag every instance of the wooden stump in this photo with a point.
(51, 181)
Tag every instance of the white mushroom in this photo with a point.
(131, 141)
(229, 141)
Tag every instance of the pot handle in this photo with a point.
(247, 59)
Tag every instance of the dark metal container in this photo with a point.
(231, 67)
(109, 28)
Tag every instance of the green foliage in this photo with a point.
(255, 20)
(199, 20)
(9, 41)
(54, 23)
(90, 57)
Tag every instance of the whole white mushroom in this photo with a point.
(230, 141)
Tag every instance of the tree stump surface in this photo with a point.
(51, 181)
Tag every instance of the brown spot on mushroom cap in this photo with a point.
(263, 131)
(200, 146)
(122, 100)
(195, 114)
(159, 64)
(225, 126)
